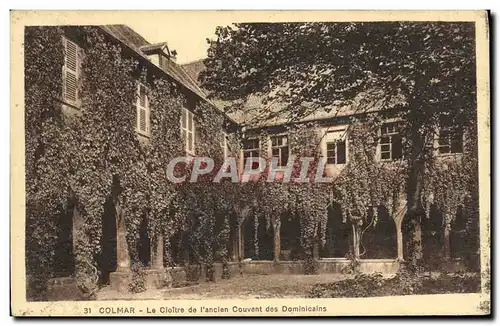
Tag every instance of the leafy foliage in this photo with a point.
(422, 70)
(403, 283)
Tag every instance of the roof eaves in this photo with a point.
(202, 95)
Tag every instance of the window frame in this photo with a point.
(280, 147)
(189, 115)
(251, 150)
(451, 130)
(334, 142)
(390, 136)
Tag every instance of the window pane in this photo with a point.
(341, 154)
(274, 141)
(255, 153)
(330, 153)
(251, 144)
(385, 140)
(276, 152)
(385, 148)
(385, 155)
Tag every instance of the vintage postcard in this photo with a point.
(250, 163)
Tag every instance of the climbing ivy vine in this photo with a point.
(81, 157)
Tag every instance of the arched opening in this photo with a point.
(178, 242)
(107, 260)
(379, 238)
(64, 261)
(458, 237)
(144, 245)
(290, 238)
(433, 238)
(338, 235)
(258, 242)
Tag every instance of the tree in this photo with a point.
(426, 68)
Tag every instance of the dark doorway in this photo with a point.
(338, 235)
(379, 237)
(107, 260)
(262, 235)
(458, 236)
(144, 245)
(64, 261)
(290, 238)
(432, 238)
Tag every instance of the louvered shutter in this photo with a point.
(70, 72)
(142, 110)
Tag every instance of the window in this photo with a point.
(70, 72)
(187, 130)
(336, 147)
(279, 149)
(251, 148)
(390, 142)
(450, 140)
(143, 121)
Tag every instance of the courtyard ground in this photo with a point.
(238, 287)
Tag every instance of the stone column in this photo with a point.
(447, 245)
(236, 244)
(122, 254)
(398, 220)
(355, 237)
(158, 254)
(241, 242)
(277, 240)
(399, 237)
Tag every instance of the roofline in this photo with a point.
(324, 120)
(192, 61)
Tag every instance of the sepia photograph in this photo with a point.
(246, 164)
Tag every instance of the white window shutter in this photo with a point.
(70, 71)
(142, 110)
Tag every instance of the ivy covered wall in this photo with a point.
(81, 159)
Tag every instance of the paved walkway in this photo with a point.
(238, 287)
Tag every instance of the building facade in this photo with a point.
(237, 135)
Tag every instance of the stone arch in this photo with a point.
(379, 236)
(64, 260)
(290, 238)
(107, 261)
(264, 235)
(144, 243)
(433, 238)
(458, 235)
(338, 235)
